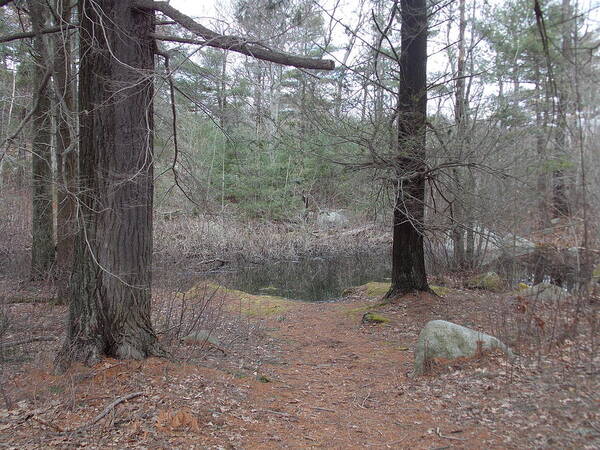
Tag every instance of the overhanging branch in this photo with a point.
(30, 34)
(234, 43)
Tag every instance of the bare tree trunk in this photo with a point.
(222, 93)
(66, 155)
(42, 245)
(110, 287)
(459, 205)
(559, 184)
(541, 121)
(408, 259)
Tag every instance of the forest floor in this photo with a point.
(290, 374)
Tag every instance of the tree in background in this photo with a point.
(42, 246)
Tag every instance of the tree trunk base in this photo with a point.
(91, 352)
(396, 292)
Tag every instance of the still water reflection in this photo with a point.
(312, 280)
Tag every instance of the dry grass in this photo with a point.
(209, 239)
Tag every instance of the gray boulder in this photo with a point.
(332, 219)
(441, 339)
(544, 292)
(202, 337)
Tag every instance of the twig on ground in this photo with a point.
(362, 405)
(48, 424)
(318, 408)
(109, 408)
(279, 413)
(439, 433)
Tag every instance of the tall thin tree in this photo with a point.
(42, 246)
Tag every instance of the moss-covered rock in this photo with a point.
(440, 290)
(522, 287)
(259, 306)
(544, 292)
(489, 281)
(376, 289)
(373, 317)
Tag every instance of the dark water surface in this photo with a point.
(312, 280)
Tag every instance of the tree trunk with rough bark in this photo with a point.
(66, 155)
(408, 259)
(110, 287)
(560, 198)
(42, 245)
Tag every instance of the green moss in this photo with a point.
(376, 289)
(258, 306)
(522, 287)
(373, 317)
(489, 281)
(440, 290)
(596, 273)
(263, 379)
(359, 310)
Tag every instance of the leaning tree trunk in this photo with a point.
(408, 260)
(110, 286)
(42, 244)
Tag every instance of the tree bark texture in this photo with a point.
(66, 154)
(110, 286)
(460, 201)
(42, 245)
(408, 260)
(560, 180)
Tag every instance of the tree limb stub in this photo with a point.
(234, 43)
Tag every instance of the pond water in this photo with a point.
(312, 280)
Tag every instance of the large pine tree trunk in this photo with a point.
(42, 245)
(408, 260)
(110, 286)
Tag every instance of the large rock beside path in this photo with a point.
(544, 292)
(441, 339)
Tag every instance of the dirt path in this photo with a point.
(339, 385)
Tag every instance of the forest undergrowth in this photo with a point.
(243, 372)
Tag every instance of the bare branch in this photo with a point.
(178, 39)
(234, 43)
(30, 34)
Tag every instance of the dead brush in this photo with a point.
(189, 313)
(204, 239)
(536, 327)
